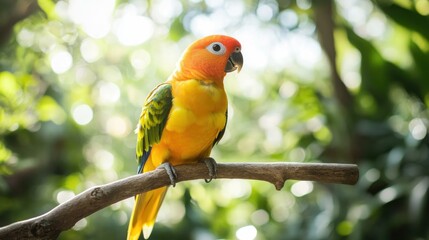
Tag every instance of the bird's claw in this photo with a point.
(212, 167)
(171, 172)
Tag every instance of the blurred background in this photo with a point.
(323, 81)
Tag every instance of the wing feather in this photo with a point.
(152, 121)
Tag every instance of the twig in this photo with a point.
(65, 215)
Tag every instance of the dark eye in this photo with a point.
(216, 48)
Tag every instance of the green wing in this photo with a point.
(152, 121)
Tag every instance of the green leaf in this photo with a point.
(421, 60)
(407, 18)
(4, 153)
(48, 6)
(411, 84)
(375, 79)
(49, 110)
(9, 86)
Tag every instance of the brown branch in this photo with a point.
(65, 215)
(323, 17)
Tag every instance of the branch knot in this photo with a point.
(41, 228)
(97, 194)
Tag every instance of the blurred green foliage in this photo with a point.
(73, 76)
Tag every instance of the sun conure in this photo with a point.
(182, 119)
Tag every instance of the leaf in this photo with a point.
(177, 30)
(407, 80)
(375, 81)
(407, 18)
(421, 60)
(48, 6)
(5, 153)
(9, 86)
(49, 110)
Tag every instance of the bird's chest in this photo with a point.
(197, 116)
(197, 105)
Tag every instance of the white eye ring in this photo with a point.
(216, 48)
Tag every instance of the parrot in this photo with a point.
(182, 119)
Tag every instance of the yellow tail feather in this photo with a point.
(146, 208)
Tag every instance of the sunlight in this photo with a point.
(235, 189)
(103, 159)
(203, 25)
(372, 175)
(64, 196)
(314, 124)
(214, 3)
(61, 61)
(118, 126)
(265, 12)
(301, 188)
(260, 217)
(235, 9)
(288, 89)
(25, 38)
(93, 15)
(388, 194)
(162, 11)
(288, 18)
(140, 59)
(246, 233)
(133, 30)
(297, 154)
(90, 50)
(108, 93)
(81, 224)
(417, 128)
(82, 114)
(171, 212)
(306, 50)
(355, 11)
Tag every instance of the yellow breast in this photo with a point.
(196, 118)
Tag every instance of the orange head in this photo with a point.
(210, 58)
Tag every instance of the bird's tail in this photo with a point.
(146, 208)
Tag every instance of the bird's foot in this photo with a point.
(212, 167)
(171, 172)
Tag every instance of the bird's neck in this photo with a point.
(181, 74)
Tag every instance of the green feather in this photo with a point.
(153, 118)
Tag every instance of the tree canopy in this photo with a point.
(323, 81)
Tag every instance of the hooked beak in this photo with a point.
(235, 62)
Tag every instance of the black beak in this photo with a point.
(235, 62)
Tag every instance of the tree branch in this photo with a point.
(65, 215)
(324, 19)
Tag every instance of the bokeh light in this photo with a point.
(75, 74)
(61, 61)
(125, 29)
(64, 196)
(301, 188)
(246, 233)
(82, 114)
